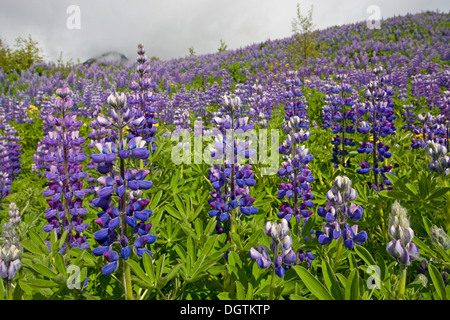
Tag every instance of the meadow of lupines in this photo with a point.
(233, 175)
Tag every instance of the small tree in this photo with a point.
(305, 45)
(223, 46)
(191, 51)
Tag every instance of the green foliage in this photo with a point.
(24, 54)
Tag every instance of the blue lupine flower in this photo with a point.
(401, 246)
(62, 150)
(280, 246)
(130, 210)
(337, 212)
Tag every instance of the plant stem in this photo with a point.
(374, 144)
(383, 221)
(402, 284)
(272, 281)
(66, 185)
(122, 213)
(9, 295)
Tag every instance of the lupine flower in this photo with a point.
(63, 155)
(141, 101)
(125, 184)
(381, 115)
(335, 114)
(440, 162)
(337, 212)
(10, 167)
(281, 247)
(401, 246)
(10, 250)
(230, 180)
(295, 169)
(440, 237)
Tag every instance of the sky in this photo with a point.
(82, 29)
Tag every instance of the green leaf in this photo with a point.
(352, 261)
(216, 270)
(148, 266)
(438, 282)
(179, 205)
(173, 212)
(426, 224)
(445, 256)
(195, 213)
(44, 271)
(190, 246)
(36, 239)
(352, 287)
(62, 239)
(162, 281)
(41, 283)
(365, 255)
(181, 253)
(25, 287)
(422, 246)
(142, 284)
(224, 296)
(437, 194)
(314, 285)
(138, 271)
(54, 241)
(30, 246)
(249, 295)
(155, 200)
(240, 291)
(160, 265)
(210, 227)
(60, 265)
(331, 281)
(308, 226)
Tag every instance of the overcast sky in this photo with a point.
(169, 28)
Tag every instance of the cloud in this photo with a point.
(169, 28)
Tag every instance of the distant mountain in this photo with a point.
(108, 57)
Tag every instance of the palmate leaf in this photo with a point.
(139, 272)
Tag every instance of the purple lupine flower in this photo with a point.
(10, 250)
(231, 181)
(295, 169)
(337, 212)
(130, 211)
(335, 114)
(141, 101)
(280, 246)
(10, 167)
(440, 162)
(380, 111)
(401, 246)
(63, 155)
